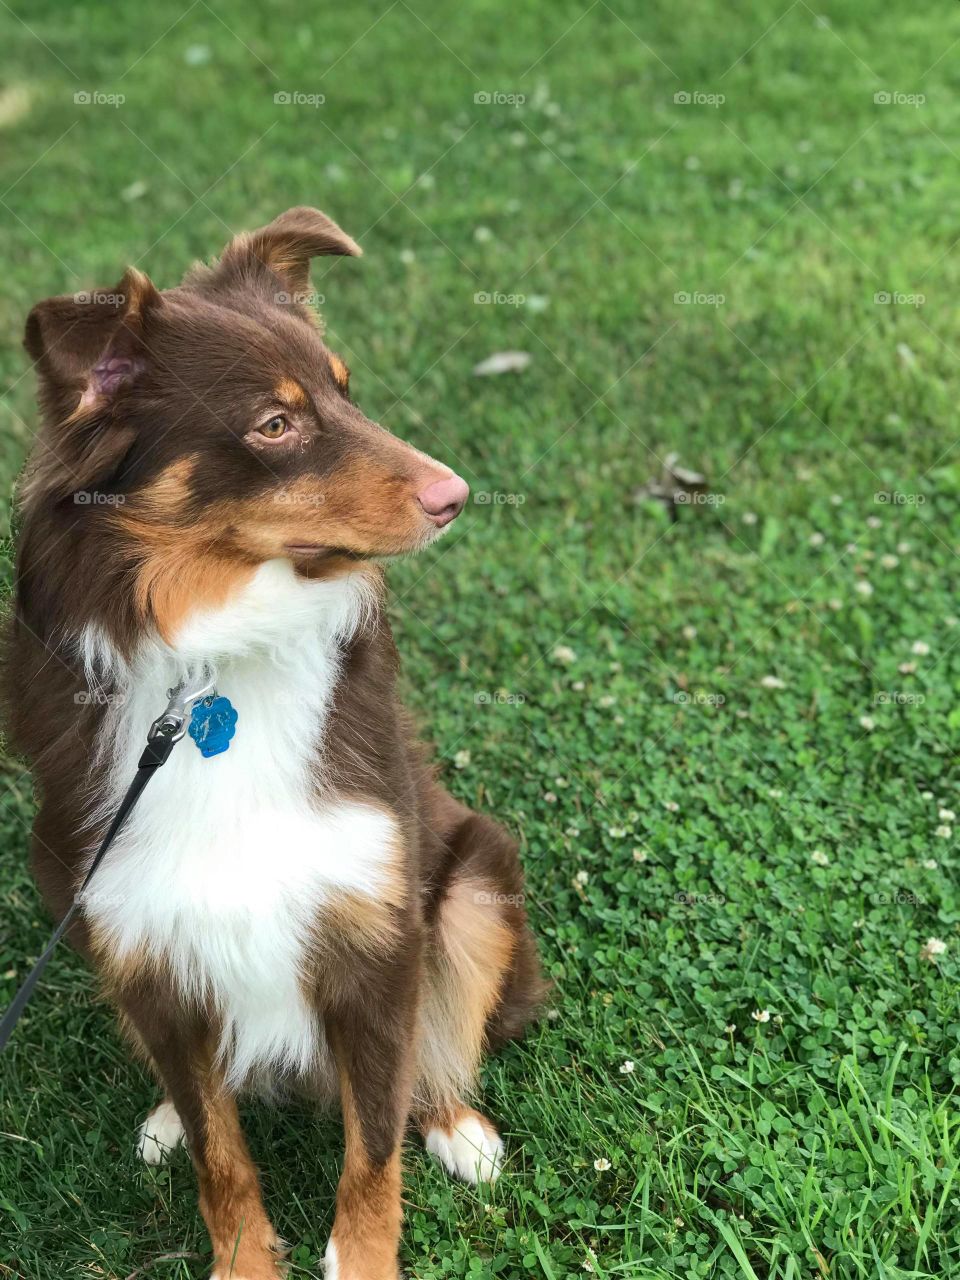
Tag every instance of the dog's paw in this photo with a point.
(331, 1270)
(470, 1149)
(160, 1134)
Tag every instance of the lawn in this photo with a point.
(727, 740)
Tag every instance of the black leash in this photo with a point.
(165, 732)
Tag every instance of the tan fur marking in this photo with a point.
(171, 488)
(472, 952)
(449, 1117)
(289, 391)
(340, 371)
(244, 1242)
(172, 585)
(366, 1228)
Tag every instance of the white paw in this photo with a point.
(473, 1151)
(330, 1268)
(159, 1134)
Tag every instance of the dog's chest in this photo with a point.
(227, 861)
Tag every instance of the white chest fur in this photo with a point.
(226, 861)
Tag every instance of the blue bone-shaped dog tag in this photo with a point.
(212, 724)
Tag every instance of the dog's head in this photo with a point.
(211, 425)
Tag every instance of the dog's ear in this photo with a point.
(88, 348)
(285, 247)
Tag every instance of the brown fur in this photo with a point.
(151, 403)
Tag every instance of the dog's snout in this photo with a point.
(443, 500)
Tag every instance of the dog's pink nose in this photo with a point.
(443, 500)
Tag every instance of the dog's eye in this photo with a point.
(274, 427)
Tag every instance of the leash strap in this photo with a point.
(165, 732)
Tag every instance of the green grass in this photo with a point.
(699, 846)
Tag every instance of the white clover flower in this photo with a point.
(820, 858)
(946, 815)
(932, 948)
(907, 668)
(578, 685)
(730, 1028)
(608, 700)
(889, 562)
(926, 795)
(863, 587)
(817, 539)
(550, 797)
(944, 832)
(602, 1164)
(626, 1068)
(761, 1015)
(930, 864)
(689, 633)
(834, 604)
(920, 648)
(583, 877)
(903, 548)
(617, 833)
(671, 806)
(835, 499)
(461, 759)
(564, 654)
(772, 682)
(749, 517)
(640, 855)
(868, 723)
(874, 522)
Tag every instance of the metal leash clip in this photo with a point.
(172, 724)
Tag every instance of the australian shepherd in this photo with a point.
(309, 905)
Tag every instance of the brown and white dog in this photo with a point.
(310, 904)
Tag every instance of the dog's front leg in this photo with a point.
(182, 1049)
(373, 1044)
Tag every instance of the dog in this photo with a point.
(309, 906)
